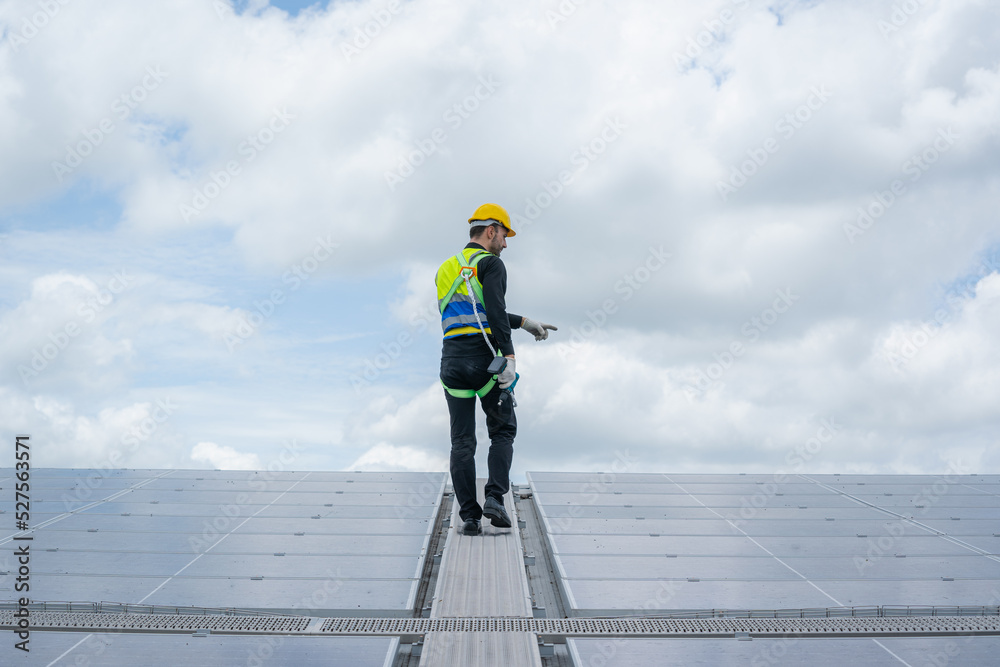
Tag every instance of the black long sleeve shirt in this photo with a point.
(493, 276)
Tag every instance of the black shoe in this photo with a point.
(471, 527)
(494, 511)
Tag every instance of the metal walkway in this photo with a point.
(482, 576)
(469, 635)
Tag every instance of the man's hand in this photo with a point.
(508, 375)
(540, 330)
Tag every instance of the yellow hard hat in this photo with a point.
(493, 212)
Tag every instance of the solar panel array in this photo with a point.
(355, 544)
(657, 543)
(309, 543)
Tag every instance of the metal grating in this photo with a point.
(567, 627)
(90, 622)
(661, 627)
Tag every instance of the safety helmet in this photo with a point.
(492, 213)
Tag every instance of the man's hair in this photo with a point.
(478, 230)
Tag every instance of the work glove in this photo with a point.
(538, 329)
(507, 376)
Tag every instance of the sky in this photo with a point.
(767, 231)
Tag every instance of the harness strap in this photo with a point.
(475, 311)
(469, 393)
(477, 290)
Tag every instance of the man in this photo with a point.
(477, 328)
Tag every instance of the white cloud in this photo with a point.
(385, 456)
(946, 370)
(60, 332)
(133, 435)
(423, 419)
(223, 457)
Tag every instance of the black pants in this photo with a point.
(470, 373)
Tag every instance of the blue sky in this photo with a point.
(295, 6)
(251, 238)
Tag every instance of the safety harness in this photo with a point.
(467, 274)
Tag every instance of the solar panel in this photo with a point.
(328, 543)
(791, 652)
(645, 543)
(129, 650)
